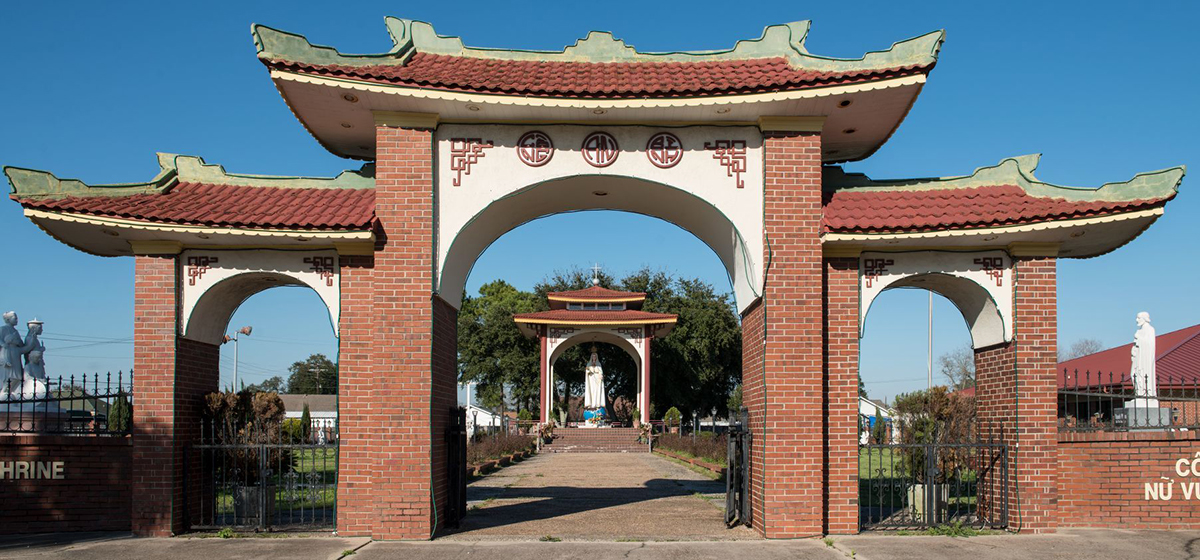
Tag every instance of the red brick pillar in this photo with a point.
(841, 395)
(356, 456)
(155, 306)
(1016, 395)
(782, 354)
(171, 376)
(414, 332)
(1036, 353)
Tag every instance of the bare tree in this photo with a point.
(1080, 348)
(958, 367)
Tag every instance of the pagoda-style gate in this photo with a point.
(734, 146)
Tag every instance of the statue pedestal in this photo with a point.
(1142, 417)
(594, 418)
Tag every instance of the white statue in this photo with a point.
(593, 388)
(13, 347)
(1142, 368)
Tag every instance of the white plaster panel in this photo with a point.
(214, 283)
(484, 192)
(980, 284)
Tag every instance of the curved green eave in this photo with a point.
(1019, 171)
(175, 169)
(409, 36)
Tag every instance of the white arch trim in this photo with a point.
(980, 284)
(484, 189)
(215, 282)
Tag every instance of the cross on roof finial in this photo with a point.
(596, 275)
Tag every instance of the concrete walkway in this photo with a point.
(1069, 544)
(597, 496)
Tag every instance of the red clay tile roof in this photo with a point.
(872, 211)
(598, 79)
(597, 293)
(568, 316)
(1178, 363)
(230, 206)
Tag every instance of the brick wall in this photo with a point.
(445, 392)
(753, 397)
(401, 414)
(841, 395)
(154, 319)
(198, 373)
(356, 439)
(1016, 396)
(791, 433)
(1102, 476)
(93, 495)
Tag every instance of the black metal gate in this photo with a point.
(913, 486)
(737, 473)
(280, 477)
(456, 466)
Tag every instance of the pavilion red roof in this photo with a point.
(547, 78)
(1177, 365)
(579, 316)
(890, 210)
(229, 206)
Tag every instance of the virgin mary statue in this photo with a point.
(593, 388)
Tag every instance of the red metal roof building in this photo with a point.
(1177, 365)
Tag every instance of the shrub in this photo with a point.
(305, 423)
(120, 415)
(242, 418)
(496, 446)
(672, 417)
(933, 416)
(525, 415)
(712, 449)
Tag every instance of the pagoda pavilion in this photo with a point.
(596, 314)
(739, 146)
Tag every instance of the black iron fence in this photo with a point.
(281, 476)
(1089, 401)
(737, 472)
(456, 467)
(913, 486)
(97, 404)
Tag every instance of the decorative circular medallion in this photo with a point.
(664, 150)
(600, 149)
(535, 148)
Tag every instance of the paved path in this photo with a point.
(597, 496)
(1068, 544)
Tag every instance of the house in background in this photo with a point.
(322, 411)
(478, 417)
(868, 410)
(1091, 386)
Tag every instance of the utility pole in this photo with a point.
(246, 331)
(930, 354)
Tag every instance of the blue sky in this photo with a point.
(1102, 89)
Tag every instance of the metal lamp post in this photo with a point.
(246, 331)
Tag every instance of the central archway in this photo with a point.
(713, 193)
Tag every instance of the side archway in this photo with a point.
(979, 284)
(216, 283)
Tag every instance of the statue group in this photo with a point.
(22, 361)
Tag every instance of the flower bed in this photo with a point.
(707, 447)
(491, 452)
(701, 463)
